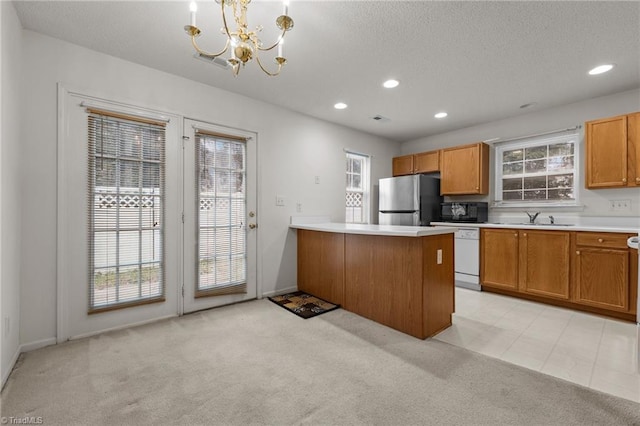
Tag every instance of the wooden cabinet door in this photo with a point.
(633, 148)
(544, 263)
(499, 258)
(426, 162)
(606, 142)
(465, 170)
(403, 165)
(321, 264)
(602, 278)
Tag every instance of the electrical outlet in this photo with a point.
(317, 180)
(439, 257)
(620, 205)
(299, 207)
(279, 200)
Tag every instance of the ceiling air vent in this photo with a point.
(380, 118)
(221, 62)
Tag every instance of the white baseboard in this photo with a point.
(121, 327)
(280, 291)
(6, 373)
(26, 347)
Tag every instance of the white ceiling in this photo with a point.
(477, 60)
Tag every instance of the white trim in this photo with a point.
(280, 291)
(6, 373)
(121, 109)
(66, 95)
(353, 151)
(27, 347)
(526, 142)
(122, 327)
(62, 326)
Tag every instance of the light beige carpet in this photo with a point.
(255, 363)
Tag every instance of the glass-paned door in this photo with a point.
(220, 216)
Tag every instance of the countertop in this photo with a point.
(382, 230)
(557, 227)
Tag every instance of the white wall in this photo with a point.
(596, 202)
(10, 193)
(292, 150)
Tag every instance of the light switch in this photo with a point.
(279, 200)
(439, 257)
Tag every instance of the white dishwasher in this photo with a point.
(467, 258)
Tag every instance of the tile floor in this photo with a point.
(590, 350)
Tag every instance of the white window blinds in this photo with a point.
(221, 206)
(126, 210)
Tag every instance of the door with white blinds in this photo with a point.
(220, 217)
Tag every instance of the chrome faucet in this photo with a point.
(552, 220)
(532, 216)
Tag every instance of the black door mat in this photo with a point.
(303, 305)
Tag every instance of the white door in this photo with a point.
(220, 216)
(119, 215)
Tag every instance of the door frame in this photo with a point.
(207, 302)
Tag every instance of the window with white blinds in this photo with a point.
(221, 208)
(126, 210)
(357, 188)
(538, 171)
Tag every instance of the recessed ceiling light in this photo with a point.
(390, 84)
(441, 115)
(601, 69)
(340, 105)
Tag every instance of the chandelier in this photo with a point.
(241, 44)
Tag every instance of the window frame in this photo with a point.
(365, 179)
(142, 124)
(532, 142)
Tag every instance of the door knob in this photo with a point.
(253, 226)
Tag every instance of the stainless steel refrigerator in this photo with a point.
(409, 200)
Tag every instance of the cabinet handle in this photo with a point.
(624, 180)
(515, 235)
(638, 179)
(578, 252)
(525, 234)
(600, 240)
(477, 188)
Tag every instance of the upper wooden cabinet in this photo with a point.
(613, 152)
(424, 162)
(403, 165)
(465, 170)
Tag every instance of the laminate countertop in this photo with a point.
(546, 227)
(382, 230)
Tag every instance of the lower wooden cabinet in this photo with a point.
(499, 258)
(593, 271)
(544, 263)
(321, 264)
(602, 271)
(534, 262)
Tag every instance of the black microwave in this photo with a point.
(469, 212)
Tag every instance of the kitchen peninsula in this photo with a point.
(399, 276)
